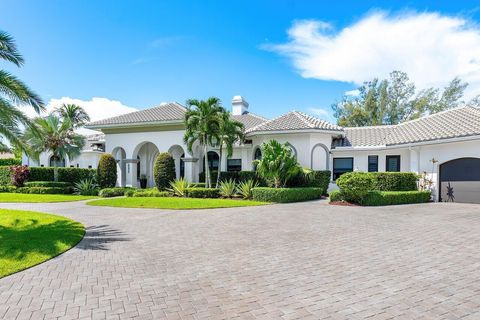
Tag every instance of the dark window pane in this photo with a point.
(234, 165)
(372, 163)
(393, 164)
(341, 165)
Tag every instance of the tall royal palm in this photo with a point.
(54, 135)
(77, 115)
(229, 132)
(14, 93)
(202, 122)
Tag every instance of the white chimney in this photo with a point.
(239, 106)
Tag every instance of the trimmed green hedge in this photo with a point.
(4, 188)
(284, 195)
(50, 184)
(107, 171)
(385, 198)
(394, 181)
(114, 192)
(197, 185)
(5, 176)
(10, 162)
(318, 179)
(45, 190)
(164, 170)
(202, 193)
(149, 193)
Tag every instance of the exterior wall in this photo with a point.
(360, 158)
(87, 159)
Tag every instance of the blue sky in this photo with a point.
(141, 53)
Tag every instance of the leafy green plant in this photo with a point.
(86, 187)
(335, 195)
(107, 171)
(179, 186)
(245, 189)
(10, 162)
(227, 188)
(384, 198)
(114, 192)
(278, 163)
(164, 170)
(45, 190)
(202, 193)
(19, 175)
(355, 185)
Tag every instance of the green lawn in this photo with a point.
(173, 203)
(23, 197)
(29, 238)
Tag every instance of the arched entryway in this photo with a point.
(213, 161)
(120, 155)
(178, 155)
(145, 153)
(460, 180)
(320, 157)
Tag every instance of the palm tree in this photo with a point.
(278, 163)
(77, 115)
(229, 132)
(202, 122)
(54, 135)
(13, 93)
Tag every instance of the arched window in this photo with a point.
(258, 154)
(182, 166)
(138, 168)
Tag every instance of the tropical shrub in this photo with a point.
(335, 195)
(19, 175)
(384, 198)
(311, 178)
(164, 170)
(227, 188)
(70, 175)
(178, 187)
(86, 187)
(202, 193)
(278, 163)
(114, 192)
(245, 189)
(355, 185)
(44, 190)
(107, 171)
(4, 188)
(50, 184)
(10, 162)
(41, 174)
(283, 195)
(197, 185)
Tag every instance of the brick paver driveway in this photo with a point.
(296, 261)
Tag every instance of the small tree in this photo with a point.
(278, 163)
(164, 170)
(19, 175)
(107, 171)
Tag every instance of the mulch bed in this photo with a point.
(343, 203)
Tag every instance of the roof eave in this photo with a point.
(310, 130)
(133, 124)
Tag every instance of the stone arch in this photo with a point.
(178, 153)
(327, 155)
(145, 153)
(120, 155)
(61, 162)
(294, 150)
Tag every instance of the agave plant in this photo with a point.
(179, 187)
(245, 189)
(86, 187)
(227, 188)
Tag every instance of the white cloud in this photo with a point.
(320, 112)
(97, 108)
(352, 93)
(432, 48)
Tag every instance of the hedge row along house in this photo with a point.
(445, 146)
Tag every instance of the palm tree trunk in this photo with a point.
(219, 166)
(207, 169)
(55, 170)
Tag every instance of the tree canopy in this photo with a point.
(395, 100)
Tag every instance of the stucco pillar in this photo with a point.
(190, 164)
(414, 160)
(131, 172)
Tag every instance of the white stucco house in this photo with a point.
(445, 145)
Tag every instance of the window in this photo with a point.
(341, 165)
(372, 163)
(182, 166)
(234, 165)
(393, 164)
(212, 161)
(258, 154)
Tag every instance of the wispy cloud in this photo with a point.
(321, 112)
(431, 47)
(165, 41)
(352, 93)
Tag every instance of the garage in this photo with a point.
(460, 180)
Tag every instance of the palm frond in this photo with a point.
(18, 92)
(8, 49)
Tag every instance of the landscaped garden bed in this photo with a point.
(378, 189)
(29, 238)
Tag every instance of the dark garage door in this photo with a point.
(460, 180)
